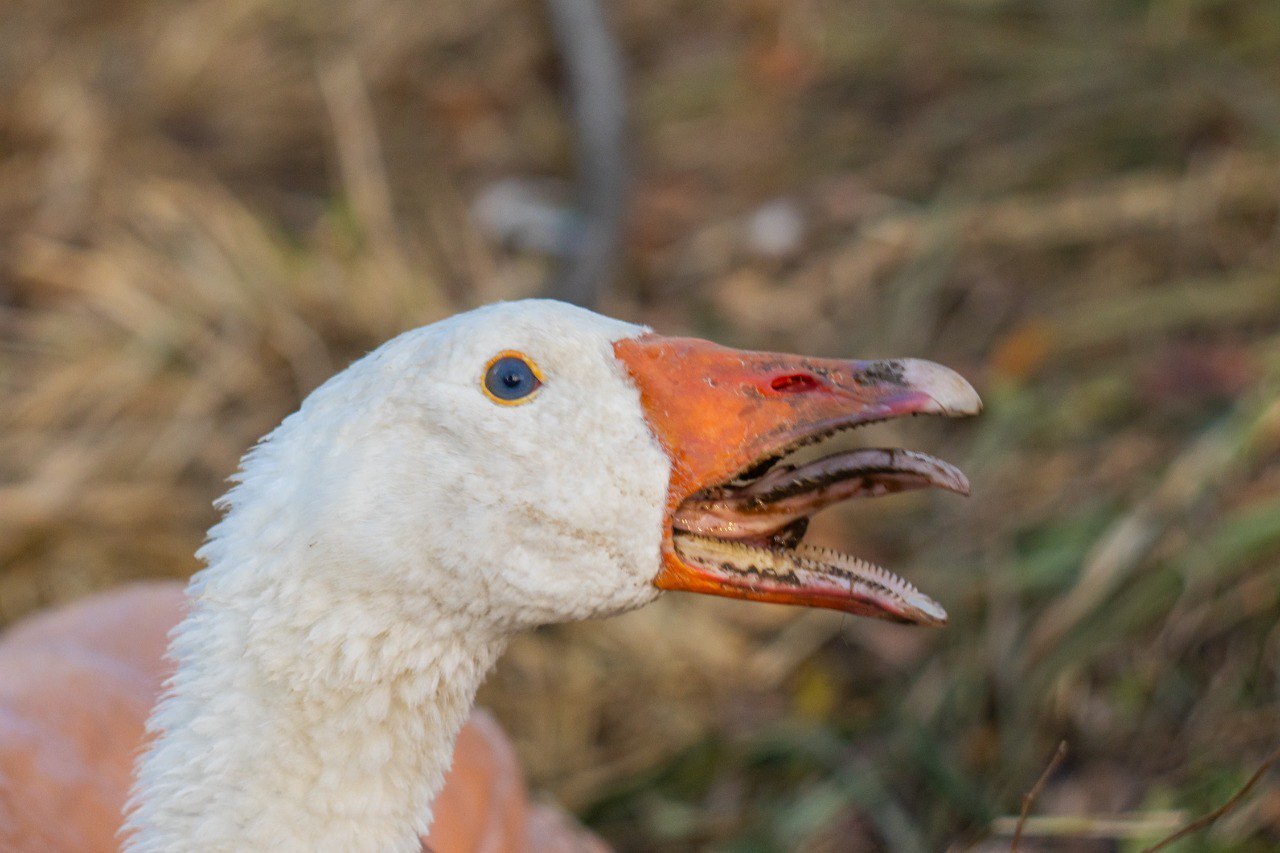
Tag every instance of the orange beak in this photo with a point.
(726, 416)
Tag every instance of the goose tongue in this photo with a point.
(787, 494)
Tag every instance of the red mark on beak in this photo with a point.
(795, 383)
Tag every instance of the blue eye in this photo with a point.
(511, 378)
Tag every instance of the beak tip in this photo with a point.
(933, 612)
(951, 392)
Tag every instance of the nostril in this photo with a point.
(794, 383)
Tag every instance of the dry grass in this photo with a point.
(207, 207)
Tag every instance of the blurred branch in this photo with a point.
(1230, 805)
(1029, 800)
(593, 77)
(1090, 826)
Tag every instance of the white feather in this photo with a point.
(377, 550)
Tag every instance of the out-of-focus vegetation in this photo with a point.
(208, 206)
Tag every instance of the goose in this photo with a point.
(517, 465)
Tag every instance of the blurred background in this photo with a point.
(209, 206)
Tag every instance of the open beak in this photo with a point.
(736, 511)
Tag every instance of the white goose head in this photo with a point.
(528, 462)
(497, 465)
(521, 464)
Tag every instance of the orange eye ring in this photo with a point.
(511, 378)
